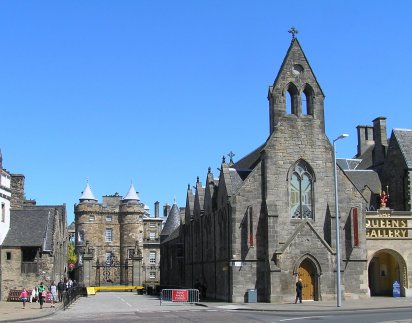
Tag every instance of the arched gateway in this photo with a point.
(385, 267)
(308, 270)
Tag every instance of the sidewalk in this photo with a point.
(12, 311)
(373, 303)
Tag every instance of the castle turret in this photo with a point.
(131, 213)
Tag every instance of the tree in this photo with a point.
(71, 255)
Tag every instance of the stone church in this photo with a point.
(269, 218)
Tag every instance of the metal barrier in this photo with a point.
(179, 296)
(71, 295)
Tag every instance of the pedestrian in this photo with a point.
(42, 294)
(299, 287)
(33, 295)
(60, 290)
(24, 296)
(69, 283)
(53, 291)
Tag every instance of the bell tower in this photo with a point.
(295, 94)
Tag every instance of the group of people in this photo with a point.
(39, 293)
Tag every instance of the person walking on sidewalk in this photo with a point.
(53, 291)
(60, 289)
(42, 294)
(299, 287)
(23, 296)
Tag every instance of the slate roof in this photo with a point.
(404, 139)
(131, 194)
(32, 227)
(367, 158)
(87, 194)
(348, 163)
(235, 179)
(362, 178)
(172, 222)
(250, 160)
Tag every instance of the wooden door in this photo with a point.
(306, 273)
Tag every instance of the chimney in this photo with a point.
(166, 209)
(17, 191)
(381, 140)
(365, 139)
(156, 209)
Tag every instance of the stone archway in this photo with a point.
(308, 269)
(384, 268)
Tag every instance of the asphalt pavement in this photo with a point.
(13, 311)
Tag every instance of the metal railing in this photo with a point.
(190, 296)
(71, 295)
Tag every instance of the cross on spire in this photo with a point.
(293, 31)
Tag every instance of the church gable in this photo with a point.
(305, 237)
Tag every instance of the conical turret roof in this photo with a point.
(172, 222)
(87, 194)
(131, 194)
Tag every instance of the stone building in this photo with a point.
(385, 165)
(5, 197)
(34, 248)
(269, 218)
(117, 241)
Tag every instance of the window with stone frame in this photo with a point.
(152, 258)
(109, 235)
(109, 218)
(152, 275)
(130, 253)
(91, 217)
(301, 181)
(108, 257)
(152, 235)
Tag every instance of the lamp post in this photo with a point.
(338, 287)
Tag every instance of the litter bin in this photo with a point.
(251, 296)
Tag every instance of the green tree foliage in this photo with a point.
(71, 254)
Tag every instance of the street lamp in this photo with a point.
(338, 289)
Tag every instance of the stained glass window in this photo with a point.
(301, 191)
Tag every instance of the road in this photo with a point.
(129, 307)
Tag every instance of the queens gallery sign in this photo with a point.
(384, 224)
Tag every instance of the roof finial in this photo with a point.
(209, 170)
(293, 31)
(223, 159)
(197, 179)
(231, 155)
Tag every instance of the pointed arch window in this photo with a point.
(292, 99)
(307, 99)
(301, 191)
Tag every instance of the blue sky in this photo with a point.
(155, 92)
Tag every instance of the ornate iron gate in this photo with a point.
(112, 272)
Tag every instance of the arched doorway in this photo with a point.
(384, 268)
(308, 273)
